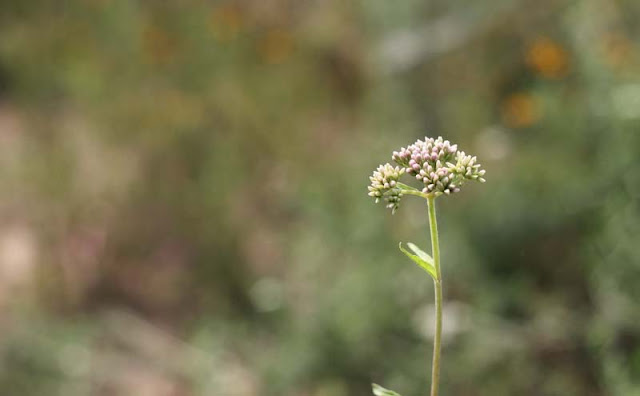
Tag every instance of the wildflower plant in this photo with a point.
(442, 170)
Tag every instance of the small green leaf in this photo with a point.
(421, 253)
(380, 391)
(426, 265)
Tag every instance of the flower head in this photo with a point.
(436, 163)
(384, 185)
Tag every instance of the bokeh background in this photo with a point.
(183, 204)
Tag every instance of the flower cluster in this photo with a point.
(435, 162)
(384, 185)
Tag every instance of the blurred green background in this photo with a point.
(183, 204)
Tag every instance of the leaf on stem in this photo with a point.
(380, 391)
(421, 253)
(421, 258)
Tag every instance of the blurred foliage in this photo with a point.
(184, 206)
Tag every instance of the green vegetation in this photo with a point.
(181, 195)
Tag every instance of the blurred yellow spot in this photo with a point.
(276, 46)
(618, 50)
(548, 58)
(520, 110)
(226, 22)
(159, 45)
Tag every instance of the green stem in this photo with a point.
(416, 193)
(435, 250)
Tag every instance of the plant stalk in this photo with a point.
(437, 283)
